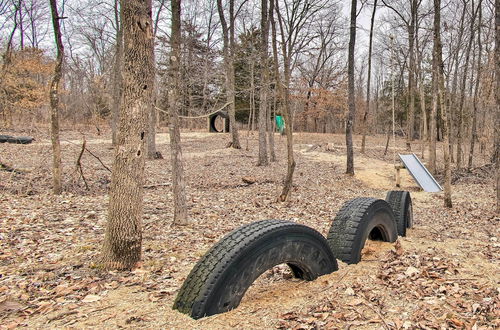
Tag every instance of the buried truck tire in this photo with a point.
(400, 202)
(221, 277)
(358, 220)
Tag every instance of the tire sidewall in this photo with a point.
(379, 215)
(247, 265)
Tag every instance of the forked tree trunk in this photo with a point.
(365, 116)
(438, 58)
(228, 49)
(123, 237)
(351, 100)
(264, 88)
(54, 103)
(178, 184)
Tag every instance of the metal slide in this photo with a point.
(421, 175)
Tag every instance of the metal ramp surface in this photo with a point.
(421, 175)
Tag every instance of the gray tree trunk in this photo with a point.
(476, 90)
(351, 98)
(117, 75)
(228, 48)
(438, 58)
(54, 103)
(496, 155)
(178, 184)
(264, 88)
(123, 236)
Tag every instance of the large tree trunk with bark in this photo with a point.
(54, 103)
(178, 184)
(438, 58)
(351, 98)
(368, 84)
(123, 237)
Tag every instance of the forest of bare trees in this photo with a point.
(221, 50)
(183, 156)
(424, 71)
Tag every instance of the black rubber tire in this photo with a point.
(221, 277)
(355, 223)
(400, 202)
(16, 139)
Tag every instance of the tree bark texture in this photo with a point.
(54, 102)
(117, 75)
(178, 184)
(264, 88)
(351, 97)
(123, 236)
(365, 116)
(284, 90)
(438, 58)
(411, 74)
(462, 90)
(228, 49)
(476, 89)
(496, 156)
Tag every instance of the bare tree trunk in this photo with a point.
(496, 155)
(54, 103)
(178, 184)
(123, 237)
(229, 44)
(264, 88)
(365, 116)
(438, 58)
(270, 133)
(271, 122)
(462, 89)
(285, 93)
(421, 87)
(433, 121)
(476, 90)
(411, 77)
(117, 75)
(351, 99)
(287, 185)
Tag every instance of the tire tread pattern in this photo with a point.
(204, 275)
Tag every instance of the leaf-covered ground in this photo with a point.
(444, 274)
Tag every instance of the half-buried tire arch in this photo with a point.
(358, 220)
(221, 277)
(400, 202)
